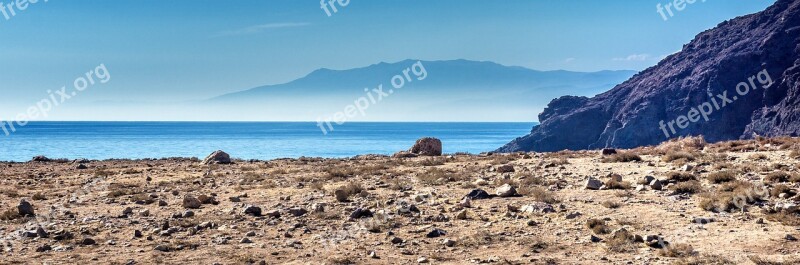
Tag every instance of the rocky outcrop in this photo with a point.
(217, 157)
(758, 51)
(427, 147)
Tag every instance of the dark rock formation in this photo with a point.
(751, 50)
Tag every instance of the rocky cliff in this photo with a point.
(696, 91)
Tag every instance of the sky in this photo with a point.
(166, 51)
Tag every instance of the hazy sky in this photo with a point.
(161, 51)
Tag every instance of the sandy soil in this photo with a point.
(302, 221)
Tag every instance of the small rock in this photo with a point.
(87, 241)
(449, 242)
(245, 241)
(24, 208)
(252, 210)
(422, 260)
(274, 213)
(506, 191)
(436, 232)
(656, 185)
(162, 248)
(427, 147)
(396, 240)
(478, 194)
(505, 169)
(361, 213)
(609, 151)
(297, 211)
(190, 202)
(341, 195)
(235, 199)
(593, 184)
(789, 237)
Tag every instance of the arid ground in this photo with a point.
(724, 203)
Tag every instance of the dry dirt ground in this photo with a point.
(92, 215)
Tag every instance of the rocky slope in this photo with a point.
(712, 64)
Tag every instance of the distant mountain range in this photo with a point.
(456, 90)
(757, 54)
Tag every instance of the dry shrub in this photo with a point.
(758, 156)
(436, 176)
(721, 176)
(39, 197)
(677, 251)
(598, 226)
(679, 156)
(789, 219)
(611, 204)
(675, 177)
(692, 143)
(479, 239)
(732, 196)
(784, 261)
(622, 157)
(9, 214)
(617, 185)
(782, 176)
(541, 195)
(341, 260)
(778, 189)
(688, 187)
(621, 245)
(339, 173)
(704, 260)
(351, 188)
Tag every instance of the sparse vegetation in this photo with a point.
(622, 157)
(721, 176)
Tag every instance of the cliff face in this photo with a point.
(759, 50)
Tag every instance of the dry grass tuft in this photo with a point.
(721, 176)
(762, 261)
(677, 251)
(688, 187)
(622, 157)
(598, 226)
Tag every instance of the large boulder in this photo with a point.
(427, 147)
(217, 157)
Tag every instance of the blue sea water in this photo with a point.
(245, 140)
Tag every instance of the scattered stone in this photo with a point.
(235, 199)
(449, 242)
(162, 203)
(609, 151)
(538, 207)
(427, 147)
(127, 211)
(505, 169)
(789, 237)
(24, 208)
(252, 210)
(506, 191)
(190, 202)
(478, 194)
(44, 248)
(404, 154)
(297, 211)
(162, 248)
(372, 254)
(656, 185)
(187, 214)
(274, 213)
(595, 239)
(318, 207)
(436, 232)
(396, 240)
(593, 184)
(461, 215)
(137, 233)
(466, 202)
(341, 195)
(361, 213)
(245, 241)
(81, 167)
(217, 157)
(40, 159)
(687, 167)
(422, 260)
(573, 215)
(88, 241)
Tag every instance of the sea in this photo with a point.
(245, 140)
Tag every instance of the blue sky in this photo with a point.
(162, 51)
